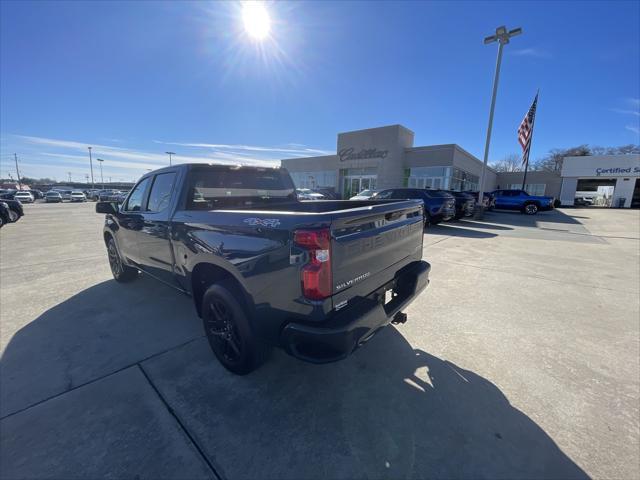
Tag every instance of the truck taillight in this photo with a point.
(316, 274)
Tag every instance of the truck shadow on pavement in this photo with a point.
(388, 411)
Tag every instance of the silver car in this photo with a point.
(24, 197)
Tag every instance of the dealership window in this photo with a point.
(530, 188)
(442, 177)
(320, 179)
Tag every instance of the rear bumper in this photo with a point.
(354, 325)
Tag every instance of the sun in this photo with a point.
(256, 19)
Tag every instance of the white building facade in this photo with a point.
(620, 173)
(384, 157)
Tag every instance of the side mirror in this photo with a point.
(106, 207)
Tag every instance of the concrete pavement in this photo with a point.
(521, 360)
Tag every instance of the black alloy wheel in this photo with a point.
(229, 331)
(120, 271)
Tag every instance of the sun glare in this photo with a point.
(256, 19)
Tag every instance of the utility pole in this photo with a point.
(69, 173)
(15, 156)
(93, 185)
(170, 153)
(502, 36)
(101, 177)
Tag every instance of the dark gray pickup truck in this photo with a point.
(317, 278)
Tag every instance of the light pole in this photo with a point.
(101, 177)
(170, 153)
(15, 156)
(93, 185)
(502, 36)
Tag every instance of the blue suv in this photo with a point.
(521, 200)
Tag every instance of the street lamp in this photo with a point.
(101, 177)
(502, 36)
(170, 153)
(93, 185)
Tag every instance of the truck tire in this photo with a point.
(229, 331)
(427, 219)
(530, 209)
(121, 272)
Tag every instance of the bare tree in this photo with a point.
(552, 162)
(510, 163)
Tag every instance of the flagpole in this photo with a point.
(526, 165)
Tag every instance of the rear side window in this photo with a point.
(161, 191)
(134, 202)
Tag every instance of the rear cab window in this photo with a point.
(228, 187)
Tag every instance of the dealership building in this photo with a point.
(385, 157)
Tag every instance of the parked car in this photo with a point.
(5, 214)
(465, 204)
(78, 196)
(583, 201)
(7, 194)
(364, 195)
(307, 194)
(488, 199)
(37, 194)
(65, 194)
(92, 194)
(521, 200)
(120, 197)
(108, 195)
(52, 196)
(438, 204)
(24, 196)
(15, 209)
(264, 269)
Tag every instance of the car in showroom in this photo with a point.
(24, 196)
(364, 195)
(308, 194)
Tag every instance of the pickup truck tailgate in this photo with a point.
(371, 244)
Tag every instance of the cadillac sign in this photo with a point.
(364, 154)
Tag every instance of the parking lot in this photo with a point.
(520, 360)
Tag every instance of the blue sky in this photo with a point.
(135, 79)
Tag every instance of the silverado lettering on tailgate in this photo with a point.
(348, 283)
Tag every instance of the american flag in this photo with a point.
(525, 131)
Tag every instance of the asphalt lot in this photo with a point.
(521, 360)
